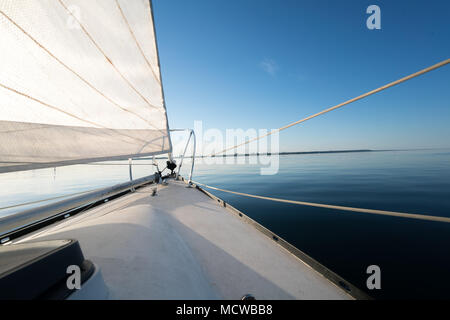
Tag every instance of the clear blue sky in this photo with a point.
(263, 64)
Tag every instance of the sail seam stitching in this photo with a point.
(71, 70)
(70, 114)
(137, 43)
(107, 58)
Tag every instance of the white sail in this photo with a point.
(79, 82)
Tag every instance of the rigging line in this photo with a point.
(107, 58)
(389, 85)
(327, 206)
(48, 199)
(71, 70)
(137, 43)
(70, 114)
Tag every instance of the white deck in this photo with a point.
(181, 244)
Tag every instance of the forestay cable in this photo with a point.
(389, 85)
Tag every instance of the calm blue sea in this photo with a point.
(413, 255)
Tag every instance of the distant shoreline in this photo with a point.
(284, 153)
(304, 152)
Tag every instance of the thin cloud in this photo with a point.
(269, 66)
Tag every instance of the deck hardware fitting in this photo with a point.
(4, 240)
